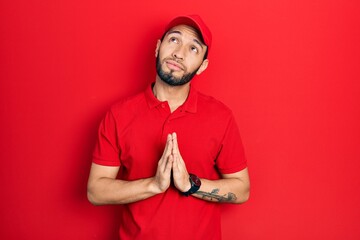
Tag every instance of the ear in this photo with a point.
(202, 67)
(157, 47)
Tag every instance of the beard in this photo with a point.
(170, 79)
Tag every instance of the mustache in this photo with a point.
(175, 60)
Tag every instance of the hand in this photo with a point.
(163, 172)
(180, 174)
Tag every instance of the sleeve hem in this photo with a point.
(106, 162)
(233, 169)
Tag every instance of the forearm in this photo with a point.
(104, 188)
(230, 190)
(113, 191)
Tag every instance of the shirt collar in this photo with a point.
(190, 105)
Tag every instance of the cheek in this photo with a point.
(194, 64)
(165, 50)
(162, 55)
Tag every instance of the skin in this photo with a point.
(181, 52)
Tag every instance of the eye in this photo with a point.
(194, 49)
(174, 40)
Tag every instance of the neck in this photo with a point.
(174, 95)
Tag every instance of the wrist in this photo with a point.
(154, 187)
(186, 186)
(194, 183)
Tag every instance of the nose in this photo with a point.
(179, 53)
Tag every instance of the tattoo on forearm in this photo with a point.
(213, 195)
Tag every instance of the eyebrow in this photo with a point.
(195, 40)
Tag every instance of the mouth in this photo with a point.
(173, 65)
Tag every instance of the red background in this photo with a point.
(288, 69)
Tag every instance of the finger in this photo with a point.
(167, 152)
(168, 146)
(179, 163)
(175, 159)
(175, 142)
(176, 152)
(169, 165)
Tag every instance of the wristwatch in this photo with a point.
(195, 184)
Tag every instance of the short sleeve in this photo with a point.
(231, 157)
(107, 151)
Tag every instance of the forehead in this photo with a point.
(186, 31)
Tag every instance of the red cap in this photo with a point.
(193, 21)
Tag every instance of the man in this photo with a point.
(177, 152)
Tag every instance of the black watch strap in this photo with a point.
(195, 184)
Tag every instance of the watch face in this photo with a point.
(195, 180)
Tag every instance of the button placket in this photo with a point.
(165, 110)
(168, 125)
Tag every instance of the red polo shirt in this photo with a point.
(133, 135)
